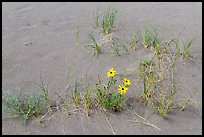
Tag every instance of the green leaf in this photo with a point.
(105, 88)
(109, 83)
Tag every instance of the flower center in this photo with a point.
(126, 81)
(122, 88)
(111, 72)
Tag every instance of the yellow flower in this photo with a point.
(111, 72)
(126, 81)
(122, 89)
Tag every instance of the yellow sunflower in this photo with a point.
(126, 81)
(122, 89)
(111, 72)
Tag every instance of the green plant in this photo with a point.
(76, 95)
(31, 106)
(185, 53)
(115, 47)
(162, 103)
(87, 101)
(150, 76)
(107, 97)
(65, 101)
(77, 36)
(97, 18)
(95, 46)
(108, 20)
(145, 67)
(158, 46)
(134, 41)
(148, 36)
(175, 56)
(45, 94)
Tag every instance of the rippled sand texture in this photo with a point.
(38, 39)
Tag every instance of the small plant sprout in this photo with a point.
(64, 103)
(185, 53)
(134, 41)
(77, 36)
(45, 94)
(117, 46)
(87, 102)
(95, 46)
(97, 18)
(76, 94)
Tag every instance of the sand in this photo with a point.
(38, 40)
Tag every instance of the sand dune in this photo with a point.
(38, 39)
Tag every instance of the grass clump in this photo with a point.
(45, 94)
(105, 19)
(134, 41)
(96, 47)
(64, 102)
(145, 72)
(87, 102)
(117, 46)
(186, 48)
(108, 20)
(76, 95)
(97, 18)
(149, 36)
(162, 103)
(151, 77)
(16, 106)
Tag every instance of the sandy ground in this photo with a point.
(50, 27)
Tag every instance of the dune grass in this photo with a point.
(77, 36)
(134, 41)
(117, 46)
(65, 102)
(95, 46)
(162, 104)
(105, 20)
(108, 20)
(97, 17)
(45, 94)
(149, 36)
(76, 94)
(186, 48)
(24, 108)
